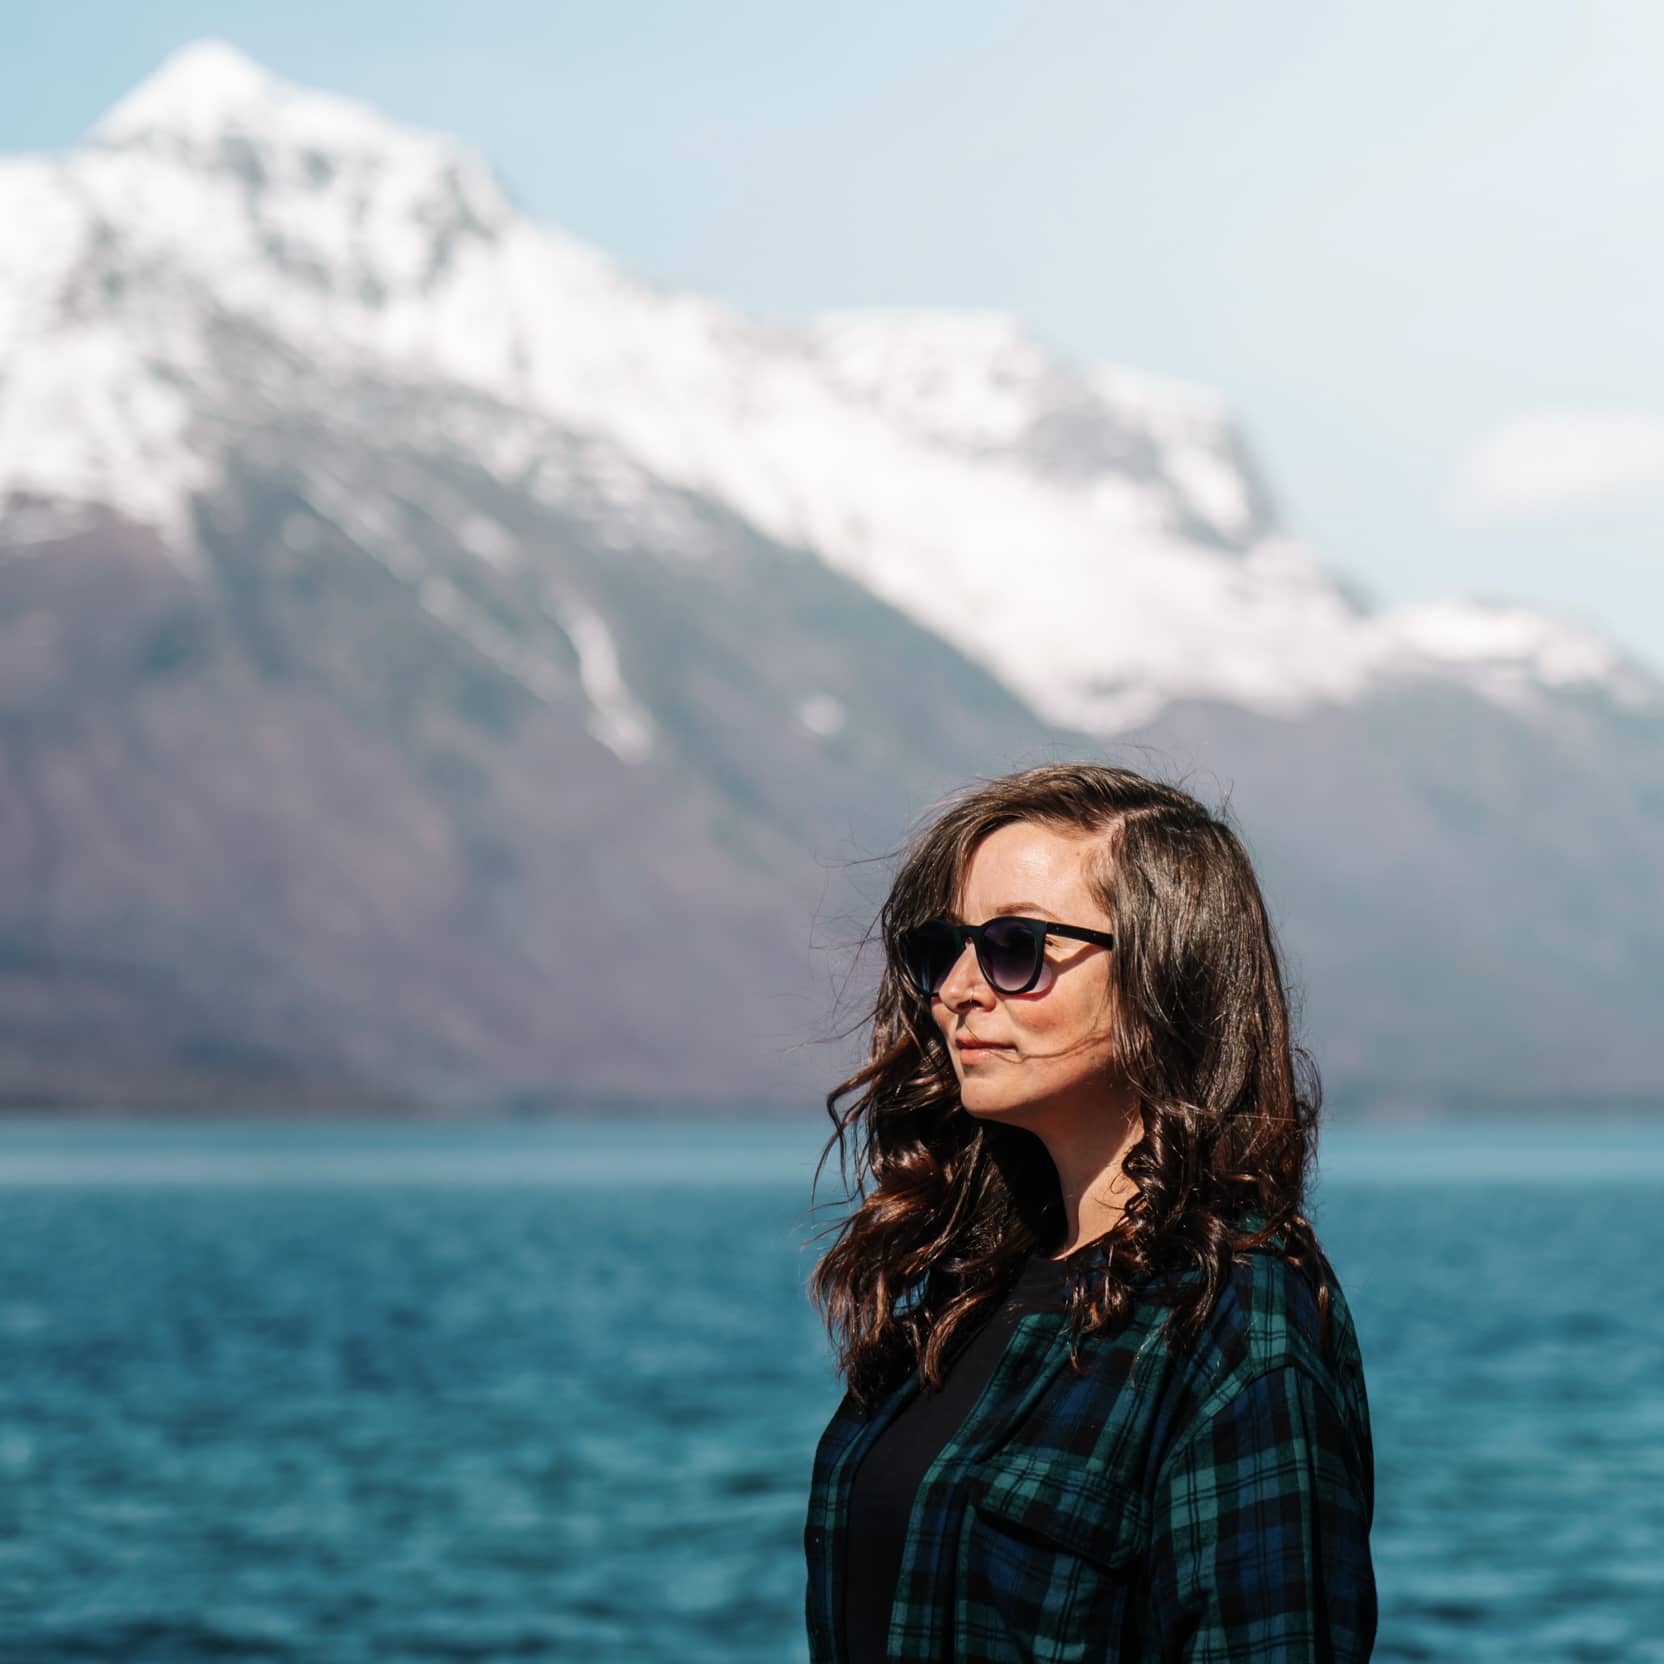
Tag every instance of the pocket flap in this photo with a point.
(1065, 1502)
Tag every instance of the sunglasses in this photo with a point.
(1010, 950)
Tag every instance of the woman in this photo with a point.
(1104, 1396)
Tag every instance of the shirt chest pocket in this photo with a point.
(1047, 1563)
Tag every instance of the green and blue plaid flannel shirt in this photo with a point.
(1212, 1507)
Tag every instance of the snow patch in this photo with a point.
(617, 720)
(1514, 646)
(822, 714)
(85, 419)
(483, 538)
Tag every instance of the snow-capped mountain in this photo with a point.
(438, 666)
(1098, 539)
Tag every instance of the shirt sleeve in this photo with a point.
(1259, 1546)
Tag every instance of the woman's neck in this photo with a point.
(1089, 1173)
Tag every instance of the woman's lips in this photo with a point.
(974, 1053)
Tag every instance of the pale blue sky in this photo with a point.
(1391, 235)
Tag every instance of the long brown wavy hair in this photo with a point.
(950, 1204)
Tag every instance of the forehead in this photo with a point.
(1024, 863)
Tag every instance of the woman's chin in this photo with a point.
(978, 1098)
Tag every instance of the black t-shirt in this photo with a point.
(886, 1483)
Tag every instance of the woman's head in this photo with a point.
(1173, 1044)
(1051, 1048)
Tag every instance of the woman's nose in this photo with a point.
(965, 981)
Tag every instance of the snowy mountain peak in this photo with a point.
(982, 384)
(958, 332)
(209, 92)
(200, 89)
(975, 377)
(1158, 397)
(998, 492)
(1002, 347)
(214, 110)
(1513, 647)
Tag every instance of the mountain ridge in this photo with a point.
(962, 445)
(438, 668)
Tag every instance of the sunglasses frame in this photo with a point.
(1039, 929)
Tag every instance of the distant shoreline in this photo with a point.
(1382, 1109)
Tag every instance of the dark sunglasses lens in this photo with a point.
(1010, 954)
(927, 955)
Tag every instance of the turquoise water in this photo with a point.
(353, 1392)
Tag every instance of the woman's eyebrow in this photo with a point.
(1030, 907)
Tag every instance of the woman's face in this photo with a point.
(1052, 1048)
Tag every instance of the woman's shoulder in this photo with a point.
(1267, 1317)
